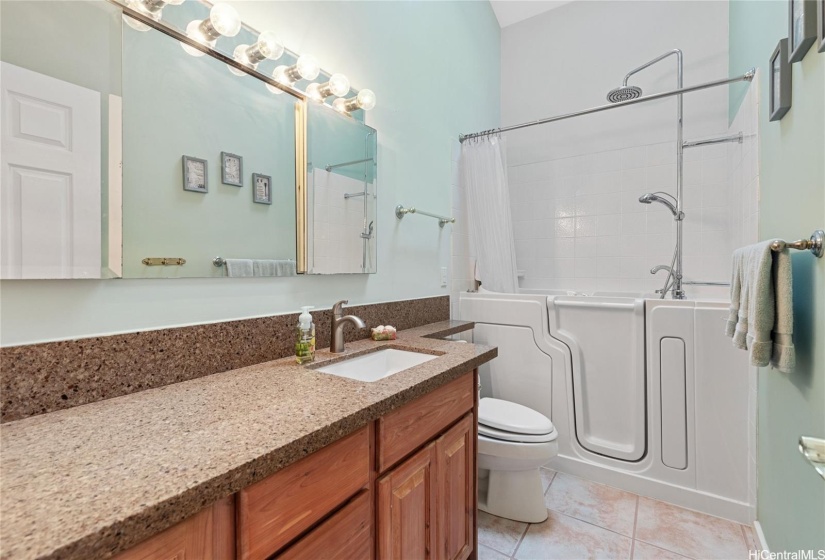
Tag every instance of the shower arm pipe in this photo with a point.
(746, 77)
(676, 52)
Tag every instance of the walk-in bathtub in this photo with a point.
(647, 395)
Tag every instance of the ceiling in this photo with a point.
(509, 12)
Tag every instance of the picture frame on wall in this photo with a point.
(802, 16)
(195, 174)
(780, 82)
(261, 188)
(820, 26)
(231, 169)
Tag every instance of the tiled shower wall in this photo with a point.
(337, 223)
(578, 224)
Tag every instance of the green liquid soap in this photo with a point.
(305, 338)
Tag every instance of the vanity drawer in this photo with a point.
(347, 534)
(277, 509)
(404, 430)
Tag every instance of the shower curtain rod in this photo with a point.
(746, 77)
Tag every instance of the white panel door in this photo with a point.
(606, 337)
(50, 183)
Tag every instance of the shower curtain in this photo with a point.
(484, 178)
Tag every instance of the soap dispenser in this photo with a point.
(305, 341)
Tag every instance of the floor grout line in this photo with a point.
(521, 538)
(635, 521)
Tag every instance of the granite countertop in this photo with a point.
(93, 480)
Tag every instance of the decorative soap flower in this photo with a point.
(383, 332)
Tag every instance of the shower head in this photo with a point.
(624, 93)
(648, 198)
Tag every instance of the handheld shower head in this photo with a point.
(624, 93)
(648, 198)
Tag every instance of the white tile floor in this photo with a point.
(590, 520)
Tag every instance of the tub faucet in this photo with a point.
(659, 267)
(336, 344)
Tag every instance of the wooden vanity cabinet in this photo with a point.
(402, 487)
(207, 535)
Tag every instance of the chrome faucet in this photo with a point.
(336, 344)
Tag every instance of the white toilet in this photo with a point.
(513, 442)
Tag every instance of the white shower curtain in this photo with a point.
(484, 178)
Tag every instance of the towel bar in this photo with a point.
(816, 244)
(400, 212)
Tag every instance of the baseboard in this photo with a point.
(763, 544)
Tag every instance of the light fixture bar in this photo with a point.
(183, 38)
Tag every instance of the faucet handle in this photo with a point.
(337, 308)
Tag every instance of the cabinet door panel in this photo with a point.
(455, 468)
(406, 509)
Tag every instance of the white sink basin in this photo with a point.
(376, 365)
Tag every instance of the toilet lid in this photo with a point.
(514, 418)
(514, 437)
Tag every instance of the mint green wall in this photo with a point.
(791, 496)
(434, 67)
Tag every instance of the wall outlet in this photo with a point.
(443, 276)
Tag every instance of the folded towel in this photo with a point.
(238, 268)
(761, 312)
(284, 267)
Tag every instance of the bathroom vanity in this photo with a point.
(270, 460)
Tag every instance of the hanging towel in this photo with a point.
(761, 312)
(238, 268)
(261, 267)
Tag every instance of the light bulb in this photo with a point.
(194, 32)
(269, 46)
(279, 75)
(225, 19)
(314, 92)
(340, 105)
(338, 85)
(240, 55)
(308, 67)
(140, 6)
(365, 99)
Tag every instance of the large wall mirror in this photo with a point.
(342, 195)
(127, 155)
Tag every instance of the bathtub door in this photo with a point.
(606, 340)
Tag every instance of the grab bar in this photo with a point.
(601, 305)
(400, 212)
(692, 283)
(330, 167)
(696, 143)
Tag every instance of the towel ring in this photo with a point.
(816, 244)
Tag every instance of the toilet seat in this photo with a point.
(509, 421)
(515, 437)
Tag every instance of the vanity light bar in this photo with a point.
(201, 37)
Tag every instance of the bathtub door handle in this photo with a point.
(600, 305)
